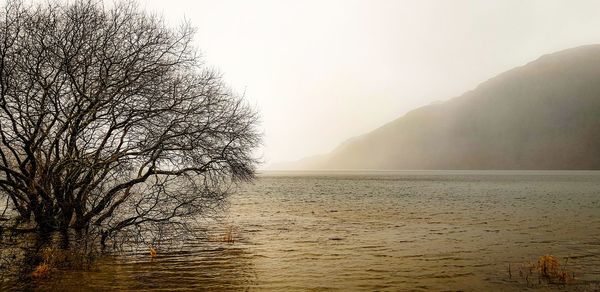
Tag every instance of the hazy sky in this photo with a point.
(323, 71)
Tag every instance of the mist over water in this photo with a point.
(423, 230)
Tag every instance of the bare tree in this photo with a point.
(110, 122)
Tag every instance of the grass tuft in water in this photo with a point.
(153, 252)
(229, 235)
(547, 269)
(41, 271)
(53, 258)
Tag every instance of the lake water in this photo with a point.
(430, 230)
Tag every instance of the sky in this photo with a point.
(321, 72)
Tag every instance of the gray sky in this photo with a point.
(323, 71)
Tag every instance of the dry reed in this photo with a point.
(153, 252)
(228, 235)
(41, 271)
(547, 269)
(53, 258)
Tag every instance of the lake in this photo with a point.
(408, 231)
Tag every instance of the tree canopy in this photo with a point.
(109, 119)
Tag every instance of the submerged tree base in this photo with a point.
(36, 256)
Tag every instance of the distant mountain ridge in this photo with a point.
(543, 115)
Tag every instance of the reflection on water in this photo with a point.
(199, 267)
(222, 269)
(383, 231)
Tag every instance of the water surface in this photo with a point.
(427, 230)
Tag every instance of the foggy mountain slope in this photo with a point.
(543, 115)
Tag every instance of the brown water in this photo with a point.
(377, 231)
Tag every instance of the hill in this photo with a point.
(543, 115)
